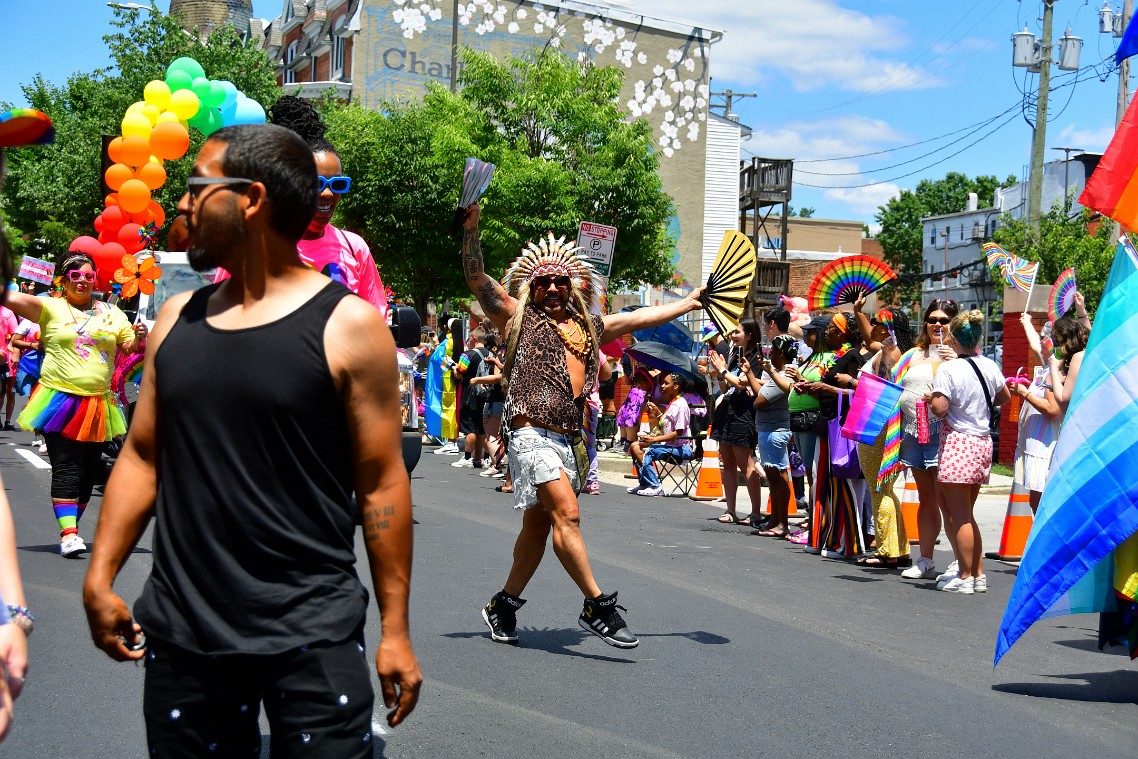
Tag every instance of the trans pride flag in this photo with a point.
(1090, 506)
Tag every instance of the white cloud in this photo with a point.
(865, 200)
(1093, 140)
(810, 43)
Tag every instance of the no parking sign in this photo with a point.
(598, 241)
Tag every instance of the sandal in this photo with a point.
(800, 538)
(778, 534)
(884, 562)
(727, 518)
(744, 522)
(504, 489)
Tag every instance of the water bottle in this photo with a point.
(922, 421)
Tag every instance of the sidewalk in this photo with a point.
(991, 506)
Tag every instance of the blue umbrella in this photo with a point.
(671, 333)
(663, 357)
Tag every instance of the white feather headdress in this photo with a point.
(556, 258)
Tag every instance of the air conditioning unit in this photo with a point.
(977, 231)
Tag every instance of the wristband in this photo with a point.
(21, 618)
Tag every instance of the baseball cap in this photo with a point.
(23, 126)
(709, 331)
(818, 323)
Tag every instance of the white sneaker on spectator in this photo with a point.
(463, 463)
(949, 575)
(650, 491)
(922, 569)
(447, 448)
(489, 471)
(634, 489)
(980, 583)
(960, 585)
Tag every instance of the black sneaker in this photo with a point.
(601, 618)
(501, 616)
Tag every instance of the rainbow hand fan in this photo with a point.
(1062, 295)
(843, 280)
(730, 281)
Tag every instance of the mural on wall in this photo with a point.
(668, 71)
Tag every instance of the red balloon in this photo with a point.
(107, 261)
(113, 218)
(99, 223)
(85, 244)
(129, 239)
(105, 237)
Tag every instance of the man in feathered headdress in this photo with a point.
(547, 311)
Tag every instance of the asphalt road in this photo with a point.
(748, 647)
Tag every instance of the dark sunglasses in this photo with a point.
(81, 276)
(194, 185)
(935, 320)
(561, 283)
(338, 185)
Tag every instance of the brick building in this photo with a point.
(310, 43)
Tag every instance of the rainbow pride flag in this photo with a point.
(1090, 507)
(1113, 188)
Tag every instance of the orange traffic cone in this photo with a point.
(1017, 525)
(645, 429)
(910, 502)
(709, 484)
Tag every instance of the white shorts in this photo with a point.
(537, 456)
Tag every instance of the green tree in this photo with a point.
(900, 218)
(53, 193)
(565, 154)
(1062, 242)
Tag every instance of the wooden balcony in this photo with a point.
(764, 182)
(772, 279)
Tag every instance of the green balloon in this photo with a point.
(189, 65)
(215, 97)
(200, 87)
(178, 80)
(213, 122)
(200, 120)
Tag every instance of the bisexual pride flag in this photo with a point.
(873, 403)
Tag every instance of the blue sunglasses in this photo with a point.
(338, 185)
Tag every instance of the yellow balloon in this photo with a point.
(184, 103)
(151, 112)
(167, 116)
(157, 160)
(136, 107)
(157, 93)
(136, 124)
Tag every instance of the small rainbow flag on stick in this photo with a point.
(1113, 188)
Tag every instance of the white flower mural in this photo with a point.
(672, 94)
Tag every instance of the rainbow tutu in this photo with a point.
(86, 418)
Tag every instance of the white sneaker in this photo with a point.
(922, 569)
(952, 571)
(634, 489)
(489, 471)
(43, 448)
(447, 448)
(73, 546)
(650, 491)
(980, 583)
(961, 586)
(948, 576)
(463, 463)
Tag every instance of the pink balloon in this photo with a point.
(85, 244)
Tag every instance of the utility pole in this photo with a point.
(1124, 69)
(729, 98)
(1038, 143)
(454, 48)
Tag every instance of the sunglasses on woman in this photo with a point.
(561, 283)
(938, 320)
(81, 276)
(338, 185)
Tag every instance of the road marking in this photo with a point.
(33, 459)
(376, 728)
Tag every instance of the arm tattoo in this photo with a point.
(375, 522)
(472, 254)
(490, 298)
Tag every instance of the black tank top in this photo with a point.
(255, 531)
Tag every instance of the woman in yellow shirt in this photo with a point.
(73, 403)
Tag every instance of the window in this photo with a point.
(337, 54)
(290, 55)
(962, 233)
(288, 10)
(932, 236)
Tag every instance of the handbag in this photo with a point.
(843, 452)
(873, 403)
(803, 421)
(31, 363)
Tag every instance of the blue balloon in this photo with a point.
(231, 93)
(248, 111)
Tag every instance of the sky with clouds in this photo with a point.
(845, 87)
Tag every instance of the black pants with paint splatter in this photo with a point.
(318, 700)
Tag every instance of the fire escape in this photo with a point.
(764, 186)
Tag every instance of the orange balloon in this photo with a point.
(152, 214)
(169, 139)
(134, 195)
(114, 150)
(152, 175)
(135, 150)
(111, 200)
(116, 175)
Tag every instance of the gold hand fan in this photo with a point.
(730, 281)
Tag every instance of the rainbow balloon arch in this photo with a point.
(154, 130)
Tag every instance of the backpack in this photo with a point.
(484, 370)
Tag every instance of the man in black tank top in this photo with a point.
(267, 401)
(547, 321)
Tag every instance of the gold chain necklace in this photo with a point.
(575, 340)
